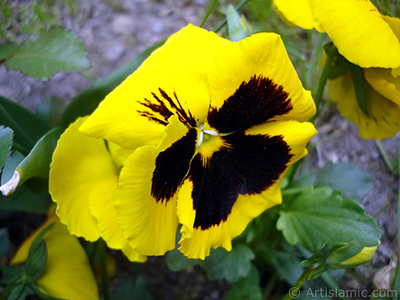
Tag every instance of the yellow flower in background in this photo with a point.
(365, 38)
(382, 95)
(383, 120)
(360, 33)
(67, 274)
(206, 129)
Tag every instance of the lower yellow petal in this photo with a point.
(384, 115)
(148, 224)
(102, 208)
(197, 243)
(197, 240)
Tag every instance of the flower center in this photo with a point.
(209, 141)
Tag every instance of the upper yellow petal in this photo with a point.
(262, 54)
(130, 116)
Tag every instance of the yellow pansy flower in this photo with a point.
(360, 33)
(67, 274)
(207, 129)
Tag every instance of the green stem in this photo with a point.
(5, 293)
(209, 12)
(386, 157)
(104, 273)
(322, 83)
(237, 9)
(396, 283)
(270, 285)
(315, 55)
(298, 284)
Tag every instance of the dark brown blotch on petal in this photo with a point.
(249, 166)
(253, 103)
(172, 166)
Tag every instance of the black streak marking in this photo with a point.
(253, 103)
(160, 113)
(172, 165)
(251, 165)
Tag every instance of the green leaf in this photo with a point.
(133, 289)
(231, 265)
(36, 261)
(10, 166)
(23, 199)
(51, 110)
(7, 50)
(352, 181)
(236, 29)
(6, 140)
(247, 288)
(42, 295)
(343, 253)
(43, 55)
(11, 274)
(36, 164)
(4, 243)
(28, 127)
(87, 101)
(286, 263)
(176, 261)
(319, 217)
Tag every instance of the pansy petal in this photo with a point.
(146, 197)
(296, 12)
(102, 208)
(196, 243)
(118, 153)
(255, 67)
(384, 115)
(79, 163)
(248, 167)
(176, 74)
(359, 32)
(67, 274)
(384, 83)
